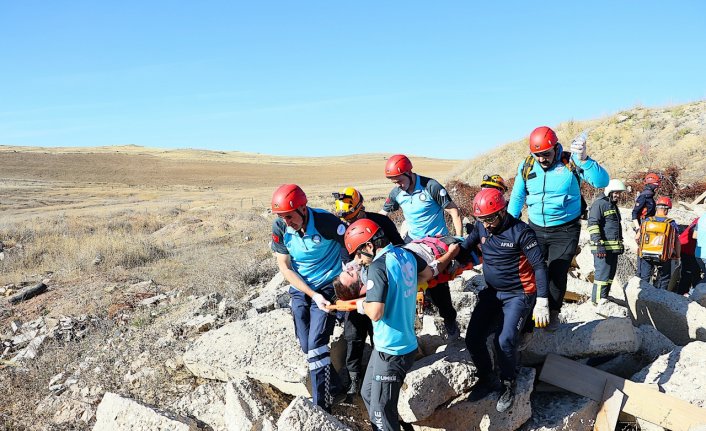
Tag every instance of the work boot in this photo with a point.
(485, 385)
(507, 397)
(353, 388)
(553, 321)
(452, 331)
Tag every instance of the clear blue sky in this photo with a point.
(446, 79)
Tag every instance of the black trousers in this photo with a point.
(440, 296)
(558, 244)
(690, 273)
(381, 388)
(356, 329)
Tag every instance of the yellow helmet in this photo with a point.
(349, 202)
(494, 181)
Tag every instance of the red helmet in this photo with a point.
(397, 165)
(542, 139)
(664, 201)
(360, 232)
(653, 179)
(488, 201)
(287, 198)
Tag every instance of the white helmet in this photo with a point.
(614, 186)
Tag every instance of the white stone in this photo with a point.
(248, 406)
(303, 415)
(206, 403)
(561, 412)
(116, 413)
(596, 338)
(461, 414)
(673, 315)
(433, 381)
(264, 348)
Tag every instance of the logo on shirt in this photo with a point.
(422, 197)
(532, 245)
(275, 238)
(507, 244)
(379, 378)
(316, 238)
(341, 229)
(370, 285)
(442, 192)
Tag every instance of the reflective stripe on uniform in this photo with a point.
(594, 229)
(318, 351)
(609, 212)
(319, 364)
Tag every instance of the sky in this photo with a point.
(447, 79)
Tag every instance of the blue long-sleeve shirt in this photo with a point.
(553, 196)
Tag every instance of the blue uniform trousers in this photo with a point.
(509, 310)
(314, 328)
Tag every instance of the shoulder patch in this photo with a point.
(341, 229)
(275, 238)
(370, 285)
(443, 192)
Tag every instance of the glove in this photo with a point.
(578, 146)
(540, 314)
(359, 306)
(321, 302)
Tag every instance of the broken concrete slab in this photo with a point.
(561, 412)
(116, 413)
(245, 348)
(673, 315)
(583, 340)
(435, 380)
(430, 337)
(698, 294)
(207, 403)
(249, 406)
(654, 343)
(678, 373)
(303, 415)
(461, 414)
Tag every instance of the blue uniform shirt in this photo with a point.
(423, 208)
(701, 238)
(392, 280)
(317, 255)
(553, 196)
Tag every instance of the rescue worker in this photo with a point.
(664, 269)
(390, 302)
(549, 181)
(358, 327)
(516, 279)
(606, 238)
(493, 181)
(423, 202)
(308, 246)
(645, 201)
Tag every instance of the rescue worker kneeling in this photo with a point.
(516, 276)
(390, 302)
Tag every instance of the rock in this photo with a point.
(245, 348)
(199, 324)
(249, 407)
(561, 412)
(698, 294)
(71, 407)
(579, 286)
(433, 381)
(15, 325)
(679, 373)
(461, 414)
(429, 338)
(303, 415)
(597, 338)
(116, 413)
(207, 403)
(32, 349)
(584, 261)
(673, 315)
(273, 295)
(153, 300)
(654, 343)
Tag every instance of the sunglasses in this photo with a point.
(341, 196)
(489, 219)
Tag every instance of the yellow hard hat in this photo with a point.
(494, 181)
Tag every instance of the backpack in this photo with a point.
(570, 165)
(688, 242)
(657, 240)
